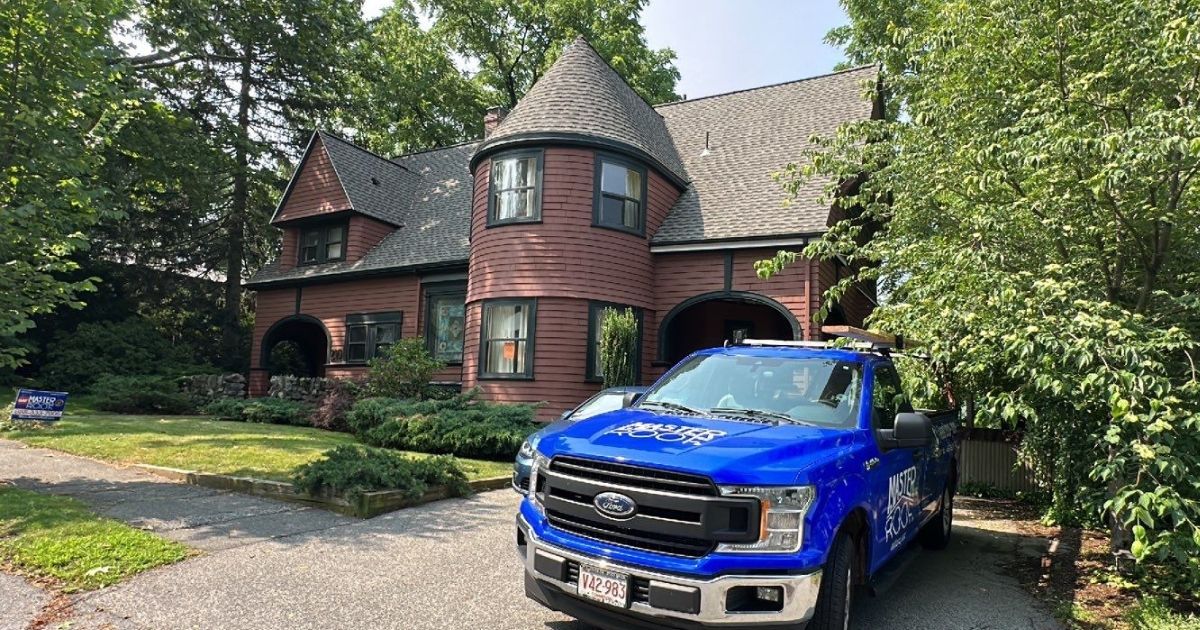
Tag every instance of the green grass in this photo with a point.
(49, 536)
(265, 451)
(1152, 613)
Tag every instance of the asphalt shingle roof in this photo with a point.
(751, 135)
(376, 186)
(436, 222)
(729, 191)
(581, 95)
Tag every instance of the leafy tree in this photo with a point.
(513, 42)
(61, 100)
(1035, 220)
(619, 335)
(129, 347)
(405, 92)
(254, 76)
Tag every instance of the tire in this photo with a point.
(837, 588)
(936, 533)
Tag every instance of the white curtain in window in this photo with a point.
(507, 333)
(513, 181)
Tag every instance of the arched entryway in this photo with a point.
(709, 320)
(309, 337)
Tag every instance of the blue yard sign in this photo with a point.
(37, 405)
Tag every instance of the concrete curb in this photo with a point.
(368, 505)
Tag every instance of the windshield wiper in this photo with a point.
(671, 406)
(758, 413)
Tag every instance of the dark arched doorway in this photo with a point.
(709, 320)
(309, 337)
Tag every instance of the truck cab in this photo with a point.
(752, 486)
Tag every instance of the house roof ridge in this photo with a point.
(346, 142)
(769, 85)
(432, 149)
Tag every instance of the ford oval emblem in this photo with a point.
(615, 505)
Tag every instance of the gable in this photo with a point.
(314, 189)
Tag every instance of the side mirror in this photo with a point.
(629, 398)
(912, 430)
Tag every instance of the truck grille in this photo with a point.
(677, 513)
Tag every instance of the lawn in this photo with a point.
(265, 451)
(49, 536)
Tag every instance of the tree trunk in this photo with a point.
(231, 332)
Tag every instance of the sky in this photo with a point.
(727, 45)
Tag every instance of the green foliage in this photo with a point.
(404, 370)
(139, 394)
(287, 360)
(62, 98)
(353, 469)
(1032, 220)
(619, 336)
(260, 410)
(515, 41)
(77, 358)
(1152, 613)
(459, 426)
(58, 537)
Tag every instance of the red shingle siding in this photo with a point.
(564, 261)
(316, 190)
(289, 254)
(330, 303)
(270, 306)
(364, 234)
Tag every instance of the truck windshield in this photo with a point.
(821, 392)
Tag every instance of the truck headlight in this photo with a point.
(539, 462)
(781, 522)
(527, 448)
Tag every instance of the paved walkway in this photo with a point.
(445, 565)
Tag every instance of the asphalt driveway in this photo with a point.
(445, 565)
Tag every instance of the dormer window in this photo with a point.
(514, 194)
(322, 243)
(620, 195)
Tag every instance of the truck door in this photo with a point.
(898, 478)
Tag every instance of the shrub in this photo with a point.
(276, 411)
(332, 411)
(368, 413)
(354, 469)
(459, 426)
(76, 359)
(225, 408)
(139, 394)
(403, 370)
(618, 347)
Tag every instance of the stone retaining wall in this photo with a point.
(208, 387)
(301, 389)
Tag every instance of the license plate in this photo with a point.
(606, 587)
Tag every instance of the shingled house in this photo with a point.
(503, 252)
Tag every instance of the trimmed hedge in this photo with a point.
(260, 410)
(353, 469)
(140, 394)
(459, 426)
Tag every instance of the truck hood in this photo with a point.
(727, 451)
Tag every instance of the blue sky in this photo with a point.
(726, 45)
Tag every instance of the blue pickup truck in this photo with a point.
(752, 486)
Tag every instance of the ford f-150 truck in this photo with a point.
(753, 485)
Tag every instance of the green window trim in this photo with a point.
(523, 347)
(367, 333)
(434, 295)
(595, 307)
(320, 238)
(599, 195)
(533, 187)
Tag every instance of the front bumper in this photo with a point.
(799, 593)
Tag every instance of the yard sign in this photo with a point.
(37, 405)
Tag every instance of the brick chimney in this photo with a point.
(492, 119)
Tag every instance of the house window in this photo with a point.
(514, 194)
(323, 243)
(369, 335)
(620, 194)
(445, 317)
(506, 344)
(595, 320)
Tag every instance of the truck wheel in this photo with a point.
(936, 534)
(837, 588)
